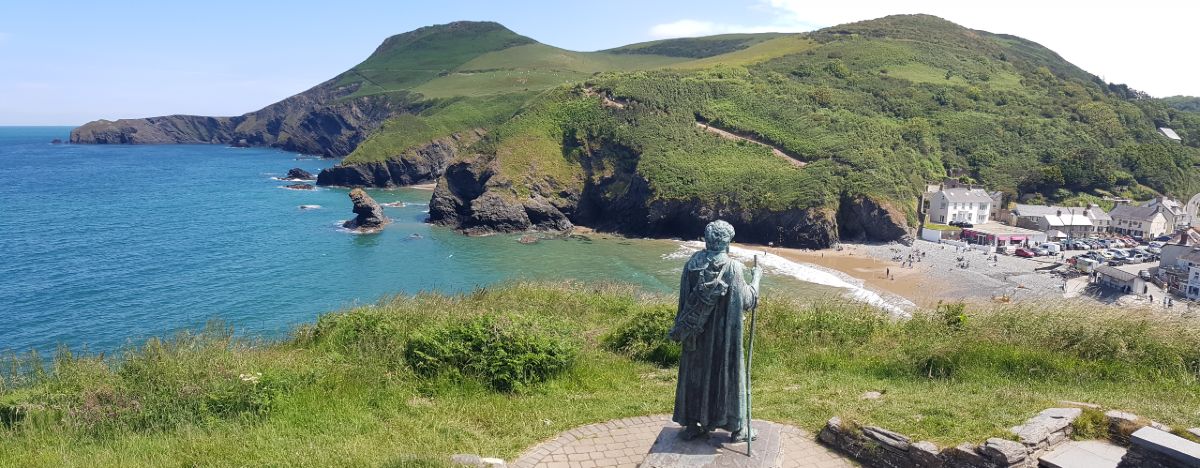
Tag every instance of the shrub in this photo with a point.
(644, 337)
(506, 356)
(1091, 424)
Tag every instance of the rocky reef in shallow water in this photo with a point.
(370, 217)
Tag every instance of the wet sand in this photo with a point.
(855, 261)
(429, 186)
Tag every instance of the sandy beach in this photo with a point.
(856, 261)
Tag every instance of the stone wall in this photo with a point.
(878, 447)
(1154, 448)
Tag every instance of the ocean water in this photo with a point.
(104, 246)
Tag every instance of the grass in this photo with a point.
(339, 392)
(400, 135)
(941, 227)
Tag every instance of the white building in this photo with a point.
(959, 204)
(1146, 222)
(1191, 262)
(1172, 210)
(1063, 221)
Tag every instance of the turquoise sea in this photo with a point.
(101, 246)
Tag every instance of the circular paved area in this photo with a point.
(624, 443)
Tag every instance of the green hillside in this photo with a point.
(872, 109)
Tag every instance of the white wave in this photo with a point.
(310, 207)
(775, 264)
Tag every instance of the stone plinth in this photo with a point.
(630, 442)
(716, 449)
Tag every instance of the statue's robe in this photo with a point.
(711, 390)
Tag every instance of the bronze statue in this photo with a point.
(712, 392)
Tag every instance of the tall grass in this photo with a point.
(341, 392)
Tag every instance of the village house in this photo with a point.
(959, 204)
(1146, 222)
(1175, 274)
(1191, 263)
(1101, 221)
(1172, 210)
(1056, 221)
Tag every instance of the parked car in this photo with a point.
(1155, 250)
(1105, 254)
(1165, 238)
(1157, 244)
(1118, 253)
(1144, 274)
(1042, 251)
(1138, 258)
(1023, 252)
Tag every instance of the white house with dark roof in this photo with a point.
(959, 204)
(1066, 221)
(1191, 262)
(1172, 210)
(1101, 221)
(1146, 222)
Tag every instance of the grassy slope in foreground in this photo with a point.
(340, 392)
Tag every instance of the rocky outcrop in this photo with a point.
(615, 198)
(370, 215)
(470, 197)
(325, 120)
(296, 173)
(423, 164)
(300, 187)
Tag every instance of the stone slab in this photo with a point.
(716, 450)
(1167, 444)
(1084, 454)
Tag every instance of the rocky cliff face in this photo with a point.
(421, 165)
(472, 197)
(324, 121)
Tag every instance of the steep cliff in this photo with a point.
(423, 164)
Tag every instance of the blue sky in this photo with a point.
(65, 63)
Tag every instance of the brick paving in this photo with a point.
(624, 443)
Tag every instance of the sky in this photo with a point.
(66, 63)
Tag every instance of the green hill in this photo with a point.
(875, 109)
(799, 139)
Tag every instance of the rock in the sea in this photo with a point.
(300, 186)
(56, 141)
(296, 173)
(370, 215)
(528, 239)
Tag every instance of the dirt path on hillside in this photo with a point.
(733, 136)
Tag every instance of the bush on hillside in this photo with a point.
(644, 337)
(506, 356)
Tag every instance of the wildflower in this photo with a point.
(250, 378)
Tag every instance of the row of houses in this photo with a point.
(955, 203)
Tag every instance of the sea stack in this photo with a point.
(299, 174)
(370, 215)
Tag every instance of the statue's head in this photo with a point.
(717, 236)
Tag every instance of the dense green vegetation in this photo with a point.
(345, 391)
(875, 108)
(1184, 103)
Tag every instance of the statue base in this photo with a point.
(717, 449)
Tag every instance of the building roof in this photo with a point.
(1115, 273)
(1167, 203)
(1071, 216)
(1190, 237)
(1192, 256)
(965, 195)
(1141, 213)
(1167, 132)
(1098, 214)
